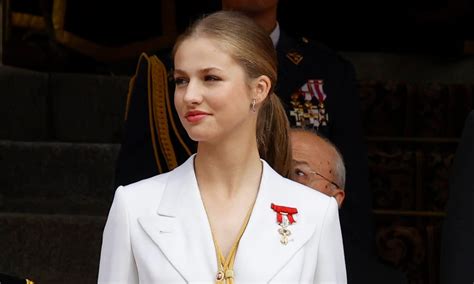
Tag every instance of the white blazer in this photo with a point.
(157, 231)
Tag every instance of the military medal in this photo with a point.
(284, 219)
(318, 88)
(308, 105)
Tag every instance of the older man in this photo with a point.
(318, 164)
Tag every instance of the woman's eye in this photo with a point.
(179, 81)
(211, 78)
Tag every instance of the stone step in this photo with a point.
(88, 108)
(61, 107)
(56, 178)
(51, 248)
(23, 107)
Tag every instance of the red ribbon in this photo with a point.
(289, 211)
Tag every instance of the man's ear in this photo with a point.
(339, 194)
(262, 86)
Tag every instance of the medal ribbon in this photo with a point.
(289, 211)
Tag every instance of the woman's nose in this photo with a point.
(193, 93)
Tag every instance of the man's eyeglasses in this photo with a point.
(305, 174)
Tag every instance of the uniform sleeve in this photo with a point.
(117, 264)
(331, 266)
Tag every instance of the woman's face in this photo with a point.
(212, 95)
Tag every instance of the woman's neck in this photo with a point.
(226, 170)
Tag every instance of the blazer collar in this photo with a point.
(181, 229)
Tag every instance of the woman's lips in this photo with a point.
(195, 116)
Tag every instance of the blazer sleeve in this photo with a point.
(117, 264)
(331, 266)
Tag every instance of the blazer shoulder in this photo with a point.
(147, 189)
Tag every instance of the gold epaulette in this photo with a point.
(157, 93)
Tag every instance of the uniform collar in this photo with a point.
(275, 34)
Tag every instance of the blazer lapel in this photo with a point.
(180, 226)
(260, 255)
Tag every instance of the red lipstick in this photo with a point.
(195, 115)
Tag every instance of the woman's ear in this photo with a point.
(262, 86)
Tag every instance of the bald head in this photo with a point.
(317, 163)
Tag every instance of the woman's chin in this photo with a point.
(200, 138)
(197, 137)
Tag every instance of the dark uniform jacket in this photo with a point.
(318, 89)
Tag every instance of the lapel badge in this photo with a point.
(284, 219)
(294, 57)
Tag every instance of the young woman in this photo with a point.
(225, 215)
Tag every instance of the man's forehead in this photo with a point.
(310, 149)
(300, 162)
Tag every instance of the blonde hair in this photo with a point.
(251, 47)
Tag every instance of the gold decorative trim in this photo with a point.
(24, 20)
(92, 49)
(150, 118)
(111, 54)
(131, 83)
(58, 14)
(159, 85)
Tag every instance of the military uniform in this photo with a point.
(318, 89)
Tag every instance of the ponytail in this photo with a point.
(273, 135)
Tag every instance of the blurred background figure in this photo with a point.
(457, 245)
